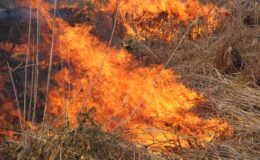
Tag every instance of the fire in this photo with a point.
(163, 18)
(125, 93)
(148, 101)
(9, 117)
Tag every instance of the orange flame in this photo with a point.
(146, 100)
(163, 18)
(125, 93)
(9, 116)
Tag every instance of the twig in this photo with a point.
(15, 93)
(50, 63)
(27, 59)
(36, 79)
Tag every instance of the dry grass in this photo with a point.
(232, 94)
(235, 95)
(90, 143)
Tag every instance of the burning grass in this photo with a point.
(220, 123)
(85, 142)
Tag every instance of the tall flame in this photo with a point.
(146, 100)
(125, 93)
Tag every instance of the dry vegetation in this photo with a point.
(225, 66)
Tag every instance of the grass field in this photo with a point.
(39, 102)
